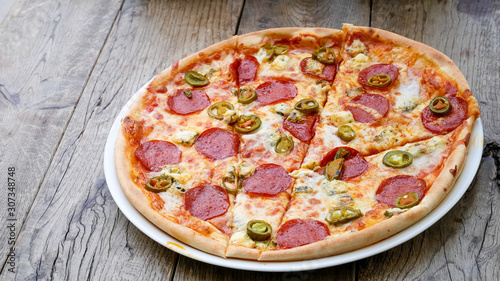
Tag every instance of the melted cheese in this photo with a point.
(409, 96)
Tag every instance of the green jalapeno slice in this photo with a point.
(341, 215)
(324, 55)
(407, 200)
(229, 184)
(247, 95)
(218, 109)
(259, 230)
(307, 106)
(280, 50)
(440, 106)
(346, 133)
(342, 153)
(194, 78)
(380, 80)
(159, 184)
(397, 159)
(247, 124)
(333, 169)
(284, 145)
(188, 93)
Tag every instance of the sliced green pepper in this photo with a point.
(188, 93)
(379, 80)
(218, 109)
(159, 184)
(341, 215)
(194, 78)
(324, 55)
(307, 106)
(247, 124)
(397, 159)
(407, 200)
(333, 169)
(440, 106)
(229, 184)
(284, 145)
(342, 153)
(259, 230)
(247, 95)
(346, 133)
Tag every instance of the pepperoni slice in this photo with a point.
(247, 69)
(390, 189)
(181, 104)
(268, 179)
(303, 131)
(448, 123)
(354, 164)
(157, 153)
(206, 201)
(388, 69)
(217, 144)
(298, 232)
(275, 91)
(327, 74)
(377, 102)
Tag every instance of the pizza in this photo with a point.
(296, 143)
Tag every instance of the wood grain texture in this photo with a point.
(463, 244)
(259, 15)
(44, 66)
(74, 230)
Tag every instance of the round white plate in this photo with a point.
(461, 185)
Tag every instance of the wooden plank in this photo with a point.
(44, 66)
(264, 14)
(463, 245)
(74, 230)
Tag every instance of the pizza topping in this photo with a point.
(324, 55)
(280, 62)
(217, 144)
(445, 124)
(218, 109)
(196, 79)
(303, 189)
(246, 170)
(440, 106)
(380, 80)
(179, 103)
(333, 169)
(259, 230)
(354, 164)
(298, 232)
(185, 137)
(356, 48)
(307, 106)
(303, 131)
(342, 153)
(296, 116)
(392, 188)
(340, 118)
(318, 69)
(228, 181)
(407, 200)
(206, 201)
(282, 109)
(247, 124)
(397, 159)
(155, 154)
(271, 52)
(268, 179)
(246, 95)
(359, 61)
(341, 215)
(381, 73)
(334, 187)
(346, 133)
(284, 145)
(159, 184)
(275, 91)
(354, 92)
(247, 69)
(379, 103)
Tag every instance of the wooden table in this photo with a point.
(68, 67)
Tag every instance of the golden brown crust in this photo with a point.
(240, 252)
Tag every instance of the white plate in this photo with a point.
(463, 182)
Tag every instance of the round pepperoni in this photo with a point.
(206, 201)
(268, 179)
(447, 123)
(390, 189)
(275, 91)
(377, 102)
(376, 69)
(303, 131)
(247, 69)
(298, 232)
(157, 153)
(181, 104)
(217, 144)
(354, 164)
(328, 72)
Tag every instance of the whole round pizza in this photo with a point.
(296, 143)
